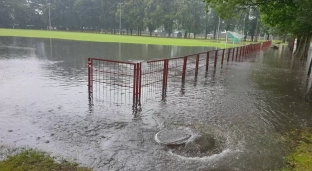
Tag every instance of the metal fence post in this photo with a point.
(134, 83)
(233, 54)
(207, 61)
(229, 53)
(216, 59)
(222, 56)
(240, 53)
(184, 69)
(237, 49)
(90, 77)
(197, 64)
(139, 82)
(165, 78)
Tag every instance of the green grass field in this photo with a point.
(97, 37)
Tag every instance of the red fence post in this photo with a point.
(135, 83)
(207, 61)
(184, 69)
(90, 77)
(229, 53)
(222, 56)
(197, 64)
(165, 78)
(139, 82)
(246, 50)
(89, 74)
(216, 58)
(240, 53)
(233, 54)
(237, 49)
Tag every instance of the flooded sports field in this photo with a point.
(234, 115)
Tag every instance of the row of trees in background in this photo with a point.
(191, 16)
(287, 17)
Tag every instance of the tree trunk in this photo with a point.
(206, 27)
(138, 31)
(256, 34)
(284, 38)
(185, 34)
(214, 33)
(151, 33)
(291, 45)
(169, 33)
(268, 37)
(308, 96)
(310, 68)
(131, 31)
(303, 45)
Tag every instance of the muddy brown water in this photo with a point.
(246, 106)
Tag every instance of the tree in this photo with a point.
(152, 18)
(88, 11)
(6, 19)
(169, 11)
(293, 16)
(108, 14)
(133, 14)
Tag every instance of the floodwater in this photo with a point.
(246, 106)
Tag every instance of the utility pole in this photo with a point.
(218, 28)
(49, 4)
(120, 17)
(206, 29)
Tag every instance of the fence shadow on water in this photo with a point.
(128, 83)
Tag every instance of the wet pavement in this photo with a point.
(245, 107)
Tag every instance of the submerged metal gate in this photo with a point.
(129, 78)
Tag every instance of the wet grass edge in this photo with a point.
(33, 160)
(300, 159)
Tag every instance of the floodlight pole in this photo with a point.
(49, 4)
(226, 39)
(120, 17)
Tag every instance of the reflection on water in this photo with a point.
(246, 106)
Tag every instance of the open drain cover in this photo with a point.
(173, 136)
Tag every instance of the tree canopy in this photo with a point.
(190, 16)
(288, 16)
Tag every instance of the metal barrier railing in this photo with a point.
(131, 78)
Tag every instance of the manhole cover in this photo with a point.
(173, 136)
